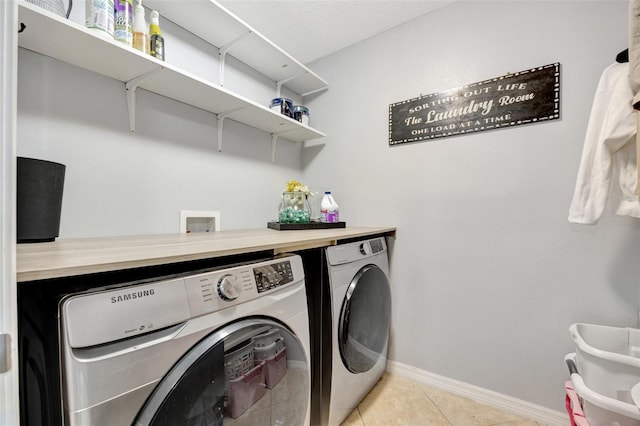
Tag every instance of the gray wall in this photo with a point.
(123, 183)
(487, 272)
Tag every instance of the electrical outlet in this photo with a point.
(199, 221)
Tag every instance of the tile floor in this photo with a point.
(396, 400)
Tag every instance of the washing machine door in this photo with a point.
(363, 328)
(250, 372)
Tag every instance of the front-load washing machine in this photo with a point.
(361, 313)
(228, 346)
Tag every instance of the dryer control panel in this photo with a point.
(356, 251)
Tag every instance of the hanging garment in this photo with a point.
(609, 151)
(634, 70)
(634, 49)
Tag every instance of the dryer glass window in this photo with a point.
(363, 329)
(250, 372)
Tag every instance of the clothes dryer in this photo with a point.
(223, 346)
(361, 313)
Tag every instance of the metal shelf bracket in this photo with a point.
(130, 87)
(220, 124)
(222, 51)
(284, 81)
(274, 141)
(311, 92)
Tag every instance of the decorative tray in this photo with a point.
(300, 226)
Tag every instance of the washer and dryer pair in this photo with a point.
(225, 345)
(361, 313)
(201, 344)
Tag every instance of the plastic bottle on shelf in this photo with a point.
(140, 35)
(334, 214)
(99, 17)
(124, 21)
(329, 211)
(155, 35)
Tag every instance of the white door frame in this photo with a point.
(9, 395)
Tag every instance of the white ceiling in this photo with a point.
(311, 29)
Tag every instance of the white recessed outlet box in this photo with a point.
(199, 221)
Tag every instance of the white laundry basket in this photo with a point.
(608, 358)
(600, 410)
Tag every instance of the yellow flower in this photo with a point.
(295, 186)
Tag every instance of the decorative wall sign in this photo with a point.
(524, 97)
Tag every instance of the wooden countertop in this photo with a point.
(69, 257)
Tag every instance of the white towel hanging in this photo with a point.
(634, 72)
(609, 150)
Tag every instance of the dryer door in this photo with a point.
(363, 329)
(250, 372)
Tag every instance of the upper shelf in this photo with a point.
(67, 41)
(214, 23)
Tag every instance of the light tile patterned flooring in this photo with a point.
(395, 400)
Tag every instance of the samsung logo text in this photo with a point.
(133, 295)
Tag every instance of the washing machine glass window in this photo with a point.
(362, 336)
(244, 373)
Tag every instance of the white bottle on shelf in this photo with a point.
(99, 16)
(140, 29)
(329, 211)
(334, 214)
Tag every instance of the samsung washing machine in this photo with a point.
(361, 313)
(228, 346)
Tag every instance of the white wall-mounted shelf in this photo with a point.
(67, 41)
(216, 24)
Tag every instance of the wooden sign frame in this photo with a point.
(529, 96)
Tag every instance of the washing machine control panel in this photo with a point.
(229, 287)
(272, 276)
(215, 290)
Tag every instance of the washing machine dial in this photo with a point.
(229, 287)
(365, 249)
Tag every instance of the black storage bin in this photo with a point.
(40, 185)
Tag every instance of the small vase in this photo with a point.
(294, 208)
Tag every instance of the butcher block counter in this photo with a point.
(71, 257)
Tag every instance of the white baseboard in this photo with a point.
(507, 403)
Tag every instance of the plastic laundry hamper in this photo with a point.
(596, 409)
(574, 406)
(245, 379)
(239, 360)
(608, 358)
(245, 391)
(269, 347)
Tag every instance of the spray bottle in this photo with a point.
(157, 41)
(140, 35)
